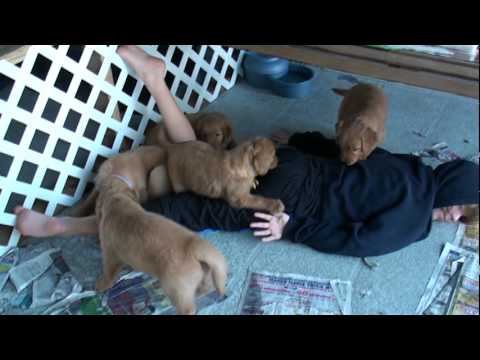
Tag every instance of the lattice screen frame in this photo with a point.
(196, 73)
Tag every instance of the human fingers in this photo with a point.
(260, 225)
(262, 233)
(264, 216)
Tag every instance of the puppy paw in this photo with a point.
(101, 285)
(277, 207)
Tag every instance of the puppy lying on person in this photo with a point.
(213, 128)
(135, 166)
(228, 174)
(186, 265)
(361, 122)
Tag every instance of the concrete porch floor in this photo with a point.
(397, 285)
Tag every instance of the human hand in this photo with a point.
(273, 226)
(281, 136)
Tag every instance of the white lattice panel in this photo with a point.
(60, 118)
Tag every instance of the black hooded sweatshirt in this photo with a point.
(379, 205)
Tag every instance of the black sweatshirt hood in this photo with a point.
(457, 184)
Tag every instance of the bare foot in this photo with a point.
(31, 223)
(147, 67)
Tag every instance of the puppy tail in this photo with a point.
(208, 254)
(341, 92)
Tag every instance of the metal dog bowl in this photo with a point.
(296, 83)
(259, 69)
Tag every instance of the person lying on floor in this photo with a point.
(378, 206)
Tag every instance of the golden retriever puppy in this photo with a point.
(134, 165)
(213, 128)
(361, 122)
(228, 174)
(185, 264)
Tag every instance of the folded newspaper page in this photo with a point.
(7, 262)
(37, 283)
(467, 237)
(290, 294)
(134, 294)
(55, 284)
(465, 298)
(454, 281)
(28, 271)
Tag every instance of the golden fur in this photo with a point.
(213, 128)
(185, 264)
(361, 122)
(228, 174)
(135, 165)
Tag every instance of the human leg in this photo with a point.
(199, 213)
(32, 223)
(152, 72)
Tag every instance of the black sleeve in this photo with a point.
(375, 237)
(199, 213)
(314, 143)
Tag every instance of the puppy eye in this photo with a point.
(219, 134)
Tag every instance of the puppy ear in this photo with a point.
(261, 158)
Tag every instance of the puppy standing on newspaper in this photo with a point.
(185, 264)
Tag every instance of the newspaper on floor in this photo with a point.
(134, 294)
(55, 284)
(289, 294)
(465, 298)
(467, 237)
(440, 152)
(86, 303)
(455, 269)
(27, 272)
(7, 262)
(38, 282)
